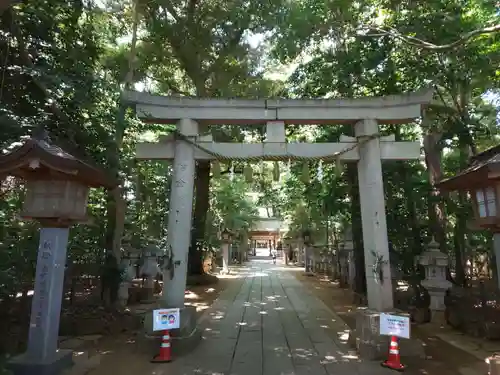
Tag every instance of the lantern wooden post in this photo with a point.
(57, 187)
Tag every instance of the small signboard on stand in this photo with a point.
(395, 325)
(166, 319)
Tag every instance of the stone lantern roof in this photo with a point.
(37, 158)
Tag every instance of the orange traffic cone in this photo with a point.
(165, 349)
(394, 361)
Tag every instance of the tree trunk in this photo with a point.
(357, 230)
(460, 230)
(459, 240)
(416, 246)
(116, 205)
(202, 205)
(435, 203)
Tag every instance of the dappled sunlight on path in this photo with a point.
(267, 323)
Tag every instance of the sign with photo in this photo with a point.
(166, 319)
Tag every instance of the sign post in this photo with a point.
(396, 326)
(165, 320)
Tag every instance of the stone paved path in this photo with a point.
(268, 323)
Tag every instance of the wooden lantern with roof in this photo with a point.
(482, 180)
(57, 182)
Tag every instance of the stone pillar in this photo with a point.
(496, 247)
(46, 303)
(343, 266)
(300, 252)
(243, 246)
(334, 264)
(351, 266)
(225, 257)
(371, 191)
(308, 258)
(179, 218)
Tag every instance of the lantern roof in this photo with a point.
(37, 158)
(483, 169)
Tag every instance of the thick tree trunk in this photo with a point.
(109, 273)
(416, 245)
(460, 230)
(357, 230)
(202, 205)
(459, 240)
(435, 202)
(116, 202)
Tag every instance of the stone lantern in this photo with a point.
(127, 267)
(57, 186)
(299, 245)
(287, 246)
(243, 249)
(346, 258)
(435, 263)
(226, 242)
(481, 180)
(349, 254)
(149, 270)
(307, 241)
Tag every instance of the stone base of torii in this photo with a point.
(367, 148)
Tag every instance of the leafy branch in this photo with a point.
(420, 43)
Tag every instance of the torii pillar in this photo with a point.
(373, 217)
(180, 215)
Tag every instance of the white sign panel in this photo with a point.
(166, 319)
(395, 325)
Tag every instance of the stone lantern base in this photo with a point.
(24, 365)
(437, 306)
(437, 298)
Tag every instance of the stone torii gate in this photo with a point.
(367, 148)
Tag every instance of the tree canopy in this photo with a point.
(65, 64)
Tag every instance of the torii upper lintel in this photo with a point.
(393, 109)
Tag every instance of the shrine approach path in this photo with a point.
(268, 323)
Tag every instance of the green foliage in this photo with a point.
(64, 65)
(364, 53)
(232, 208)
